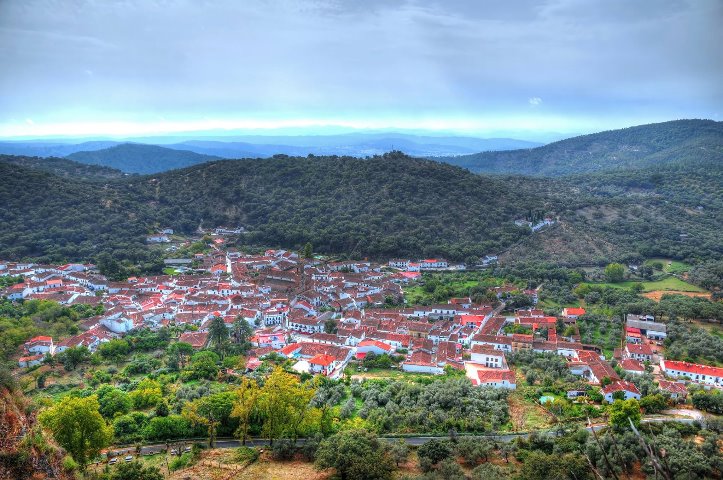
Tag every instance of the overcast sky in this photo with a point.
(521, 68)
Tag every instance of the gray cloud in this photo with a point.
(139, 60)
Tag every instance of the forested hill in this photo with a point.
(139, 158)
(64, 167)
(384, 206)
(634, 147)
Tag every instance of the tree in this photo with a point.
(487, 471)
(203, 366)
(283, 404)
(113, 401)
(653, 403)
(73, 356)
(542, 466)
(435, 451)
(210, 411)
(355, 455)
(622, 410)
(248, 394)
(330, 326)
(614, 272)
(135, 471)
(114, 350)
(218, 334)
(242, 332)
(449, 469)
(178, 354)
(308, 251)
(77, 425)
(399, 451)
(147, 394)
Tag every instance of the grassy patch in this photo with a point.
(669, 283)
(670, 266)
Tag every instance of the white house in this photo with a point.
(374, 346)
(40, 345)
(30, 361)
(697, 373)
(488, 356)
(117, 323)
(628, 389)
(482, 376)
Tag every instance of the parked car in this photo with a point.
(129, 458)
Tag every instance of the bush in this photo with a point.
(246, 455)
(283, 449)
(180, 462)
(69, 464)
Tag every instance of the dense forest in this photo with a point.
(390, 205)
(634, 147)
(63, 167)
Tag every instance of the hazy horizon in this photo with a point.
(523, 70)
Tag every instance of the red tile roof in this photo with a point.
(322, 359)
(693, 368)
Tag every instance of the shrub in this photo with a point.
(69, 464)
(246, 455)
(283, 449)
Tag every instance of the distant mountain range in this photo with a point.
(131, 156)
(634, 147)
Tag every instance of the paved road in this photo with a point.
(413, 441)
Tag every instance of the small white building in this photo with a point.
(628, 389)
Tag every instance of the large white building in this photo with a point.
(697, 373)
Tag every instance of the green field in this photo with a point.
(669, 283)
(670, 266)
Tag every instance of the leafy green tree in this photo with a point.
(330, 326)
(542, 466)
(355, 455)
(614, 272)
(114, 350)
(73, 356)
(204, 365)
(308, 251)
(113, 401)
(78, 426)
(435, 451)
(487, 471)
(146, 394)
(178, 354)
(654, 403)
(399, 451)
(242, 333)
(621, 411)
(135, 471)
(245, 406)
(210, 411)
(218, 334)
(284, 404)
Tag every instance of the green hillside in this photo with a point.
(63, 167)
(634, 147)
(380, 207)
(139, 158)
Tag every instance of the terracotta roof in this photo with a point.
(322, 359)
(619, 386)
(693, 368)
